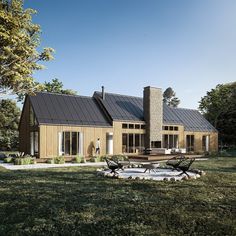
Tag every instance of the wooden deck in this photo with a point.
(159, 157)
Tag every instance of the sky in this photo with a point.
(126, 45)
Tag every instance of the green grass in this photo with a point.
(74, 201)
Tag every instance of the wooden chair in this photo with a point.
(175, 161)
(113, 166)
(185, 165)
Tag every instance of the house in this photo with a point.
(57, 124)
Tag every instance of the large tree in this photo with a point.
(9, 117)
(55, 86)
(219, 107)
(19, 40)
(169, 98)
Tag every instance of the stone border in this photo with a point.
(193, 174)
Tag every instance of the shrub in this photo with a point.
(8, 160)
(119, 158)
(79, 159)
(98, 158)
(93, 159)
(59, 160)
(26, 160)
(50, 161)
(83, 160)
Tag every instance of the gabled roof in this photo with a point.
(129, 108)
(192, 120)
(51, 108)
(122, 107)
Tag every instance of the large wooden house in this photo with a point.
(56, 124)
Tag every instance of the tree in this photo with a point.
(57, 87)
(169, 98)
(219, 108)
(19, 39)
(9, 117)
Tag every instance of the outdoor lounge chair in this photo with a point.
(113, 166)
(185, 165)
(175, 162)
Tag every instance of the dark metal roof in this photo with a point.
(128, 108)
(51, 108)
(192, 120)
(121, 107)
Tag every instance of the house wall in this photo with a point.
(118, 131)
(49, 139)
(24, 129)
(213, 145)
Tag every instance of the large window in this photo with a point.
(34, 143)
(190, 143)
(205, 143)
(70, 143)
(131, 143)
(170, 141)
(33, 121)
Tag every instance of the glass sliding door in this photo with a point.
(70, 143)
(67, 143)
(74, 136)
(190, 143)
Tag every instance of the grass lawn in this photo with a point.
(74, 201)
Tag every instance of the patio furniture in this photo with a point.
(185, 165)
(175, 161)
(113, 166)
(150, 167)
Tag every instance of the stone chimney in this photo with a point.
(153, 116)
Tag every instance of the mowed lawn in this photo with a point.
(74, 201)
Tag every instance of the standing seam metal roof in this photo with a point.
(129, 108)
(51, 108)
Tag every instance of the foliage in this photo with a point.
(9, 120)
(50, 161)
(59, 160)
(219, 108)
(27, 160)
(98, 158)
(169, 98)
(74, 201)
(19, 40)
(79, 159)
(57, 87)
(8, 160)
(119, 158)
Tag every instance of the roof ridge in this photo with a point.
(62, 94)
(117, 94)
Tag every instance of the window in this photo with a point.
(171, 128)
(205, 143)
(33, 121)
(70, 143)
(170, 141)
(124, 126)
(34, 143)
(176, 128)
(190, 143)
(131, 126)
(166, 127)
(132, 142)
(137, 126)
(142, 126)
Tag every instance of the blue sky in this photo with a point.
(128, 44)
